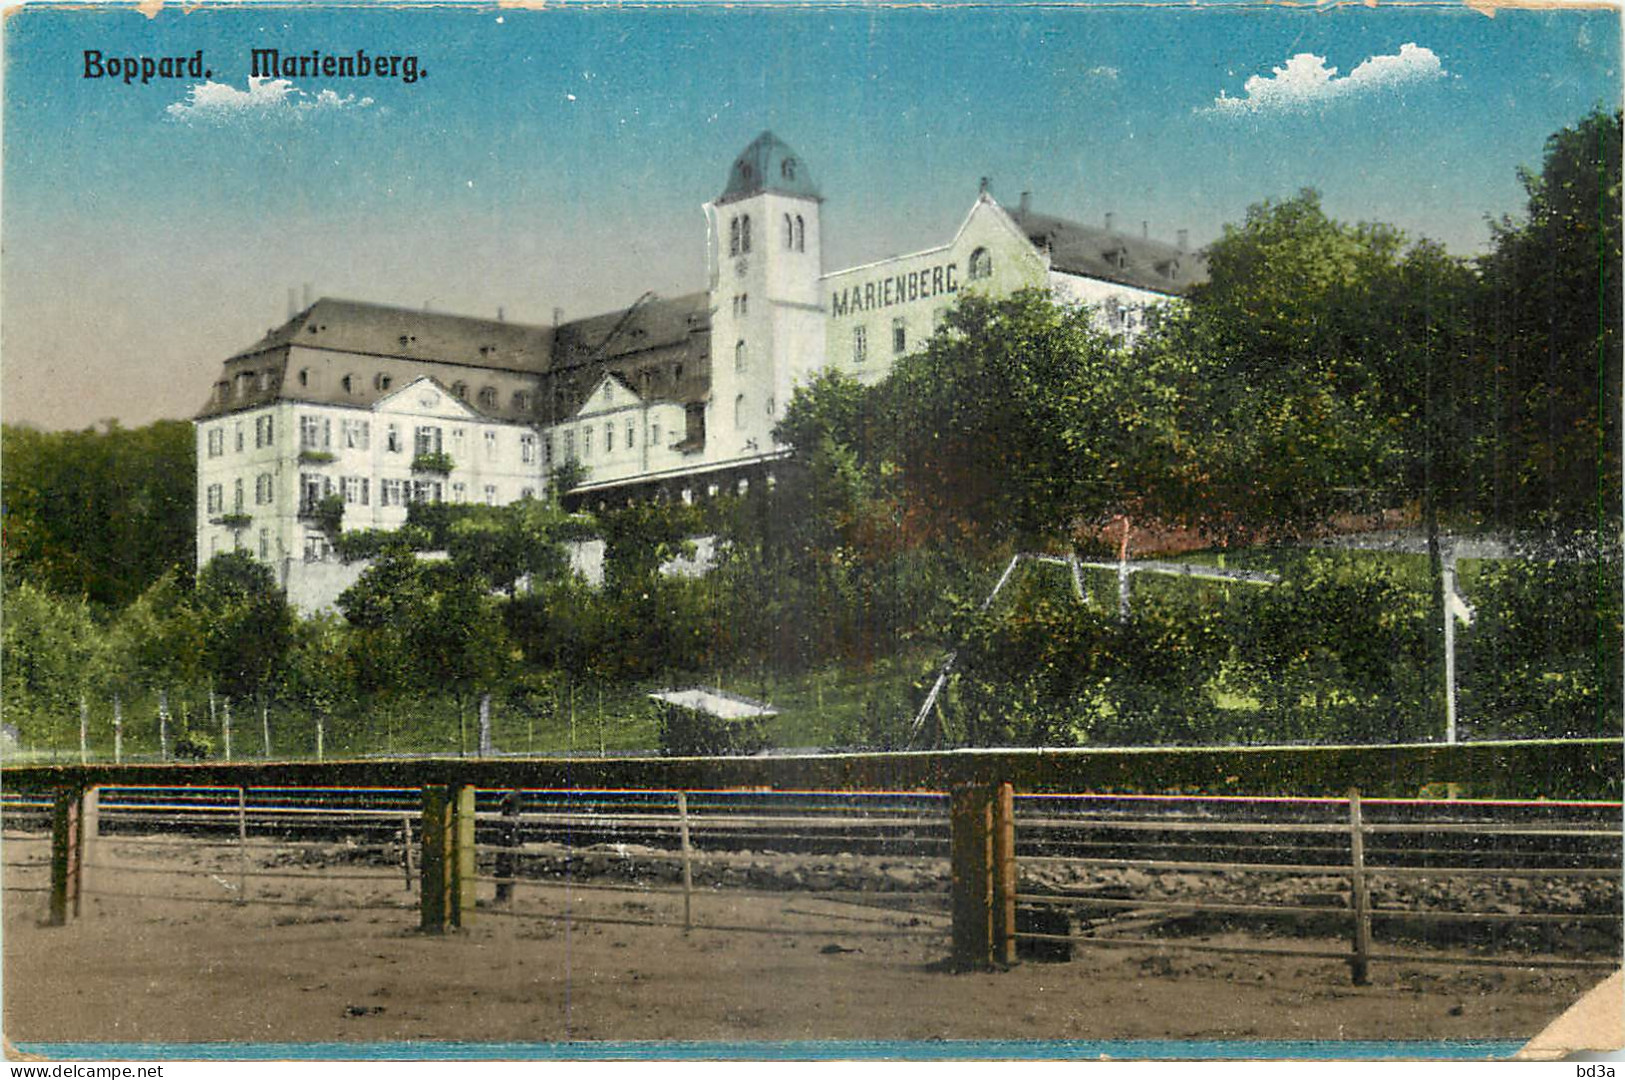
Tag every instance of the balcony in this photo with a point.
(317, 457)
(433, 462)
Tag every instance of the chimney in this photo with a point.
(1110, 219)
(307, 294)
(558, 317)
(1184, 239)
(1026, 203)
(987, 185)
(501, 315)
(293, 308)
(1145, 230)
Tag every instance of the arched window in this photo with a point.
(789, 233)
(801, 234)
(739, 355)
(981, 264)
(739, 412)
(744, 234)
(733, 236)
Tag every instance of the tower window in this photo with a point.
(739, 355)
(801, 234)
(860, 344)
(739, 413)
(787, 168)
(789, 233)
(899, 337)
(733, 236)
(744, 234)
(981, 264)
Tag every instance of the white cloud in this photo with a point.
(212, 102)
(1306, 81)
(1103, 72)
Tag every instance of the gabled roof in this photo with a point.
(1112, 256)
(633, 397)
(448, 399)
(768, 164)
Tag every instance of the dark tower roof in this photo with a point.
(768, 164)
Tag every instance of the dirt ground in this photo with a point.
(314, 965)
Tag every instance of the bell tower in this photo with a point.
(767, 323)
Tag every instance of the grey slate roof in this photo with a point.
(1112, 256)
(768, 164)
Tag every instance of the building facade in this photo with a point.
(669, 398)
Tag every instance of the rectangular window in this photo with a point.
(239, 436)
(389, 493)
(899, 337)
(426, 440)
(609, 438)
(428, 491)
(392, 439)
(490, 446)
(860, 344)
(265, 544)
(216, 501)
(237, 495)
(527, 448)
(569, 446)
(263, 431)
(312, 486)
(490, 494)
(459, 491)
(527, 493)
(586, 441)
(547, 450)
(357, 434)
(217, 442)
(315, 547)
(262, 489)
(355, 489)
(630, 441)
(315, 433)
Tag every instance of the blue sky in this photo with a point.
(559, 158)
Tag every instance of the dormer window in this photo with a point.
(1117, 257)
(460, 390)
(488, 397)
(304, 376)
(787, 168)
(222, 390)
(521, 401)
(981, 264)
(348, 382)
(382, 382)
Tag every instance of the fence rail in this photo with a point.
(995, 860)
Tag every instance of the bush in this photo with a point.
(691, 733)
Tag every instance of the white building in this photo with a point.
(668, 398)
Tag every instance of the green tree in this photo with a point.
(50, 648)
(99, 514)
(247, 624)
(1552, 326)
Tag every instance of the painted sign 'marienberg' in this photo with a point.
(896, 289)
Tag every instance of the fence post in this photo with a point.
(1004, 875)
(971, 845)
(688, 861)
(67, 854)
(84, 730)
(507, 865)
(1360, 963)
(406, 849)
(463, 862)
(225, 724)
(435, 891)
(118, 730)
(242, 845)
(163, 725)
